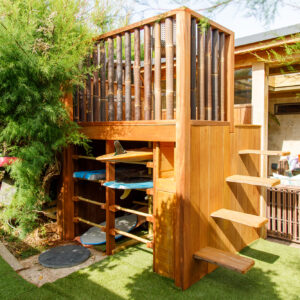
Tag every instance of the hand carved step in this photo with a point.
(259, 181)
(265, 152)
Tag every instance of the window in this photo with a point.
(242, 86)
(287, 108)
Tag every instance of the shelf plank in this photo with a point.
(225, 259)
(130, 156)
(258, 181)
(239, 217)
(265, 152)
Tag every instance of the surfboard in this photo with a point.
(139, 183)
(95, 236)
(135, 155)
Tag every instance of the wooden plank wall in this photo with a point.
(214, 157)
(242, 114)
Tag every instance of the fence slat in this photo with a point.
(215, 74)
(88, 88)
(201, 74)
(127, 76)
(208, 74)
(119, 79)
(96, 99)
(157, 70)
(193, 69)
(111, 108)
(222, 76)
(147, 73)
(102, 82)
(137, 80)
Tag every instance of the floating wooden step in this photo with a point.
(130, 156)
(265, 152)
(259, 181)
(225, 259)
(239, 217)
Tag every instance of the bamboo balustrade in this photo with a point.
(136, 79)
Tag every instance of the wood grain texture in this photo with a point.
(127, 76)
(119, 79)
(201, 74)
(222, 76)
(193, 69)
(258, 181)
(102, 81)
(111, 107)
(136, 73)
(147, 73)
(208, 72)
(215, 75)
(96, 98)
(157, 71)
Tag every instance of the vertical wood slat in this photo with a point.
(102, 82)
(157, 71)
(127, 76)
(111, 109)
(201, 74)
(137, 80)
(222, 76)
(215, 74)
(82, 110)
(208, 74)
(119, 79)
(76, 104)
(88, 84)
(147, 73)
(110, 202)
(193, 69)
(96, 99)
(169, 69)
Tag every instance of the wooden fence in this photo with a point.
(136, 78)
(283, 212)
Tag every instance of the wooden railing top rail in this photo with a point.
(152, 20)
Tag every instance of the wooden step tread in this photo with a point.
(225, 259)
(265, 152)
(135, 155)
(240, 217)
(259, 181)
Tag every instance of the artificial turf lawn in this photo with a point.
(128, 275)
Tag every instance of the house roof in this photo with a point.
(268, 35)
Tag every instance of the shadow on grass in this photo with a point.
(260, 255)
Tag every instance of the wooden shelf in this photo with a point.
(239, 217)
(259, 181)
(130, 156)
(225, 259)
(265, 152)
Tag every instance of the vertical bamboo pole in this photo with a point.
(119, 79)
(127, 76)
(222, 76)
(183, 143)
(193, 69)
(201, 73)
(157, 71)
(169, 69)
(96, 99)
(215, 74)
(136, 73)
(208, 74)
(147, 73)
(76, 104)
(110, 202)
(88, 93)
(111, 108)
(82, 115)
(102, 82)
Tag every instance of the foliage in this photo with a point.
(42, 45)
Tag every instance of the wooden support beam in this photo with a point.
(79, 198)
(110, 201)
(225, 259)
(240, 217)
(148, 217)
(135, 237)
(78, 219)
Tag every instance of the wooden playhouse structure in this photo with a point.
(175, 98)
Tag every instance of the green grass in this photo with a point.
(128, 275)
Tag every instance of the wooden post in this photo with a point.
(208, 74)
(119, 79)
(222, 76)
(260, 108)
(110, 201)
(96, 100)
(193, 69)
(183, 139)
(169, 69)
(136, 71)
(147, 73)
(102, 82)
(157, 71)
(215, 74)
(127, 76)
(201, 74)
(111, 108)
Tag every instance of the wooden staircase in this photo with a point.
(225, 259)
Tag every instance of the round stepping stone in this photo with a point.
(64, 256)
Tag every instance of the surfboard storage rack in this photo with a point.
(173, 115)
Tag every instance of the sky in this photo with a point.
(231, 17)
